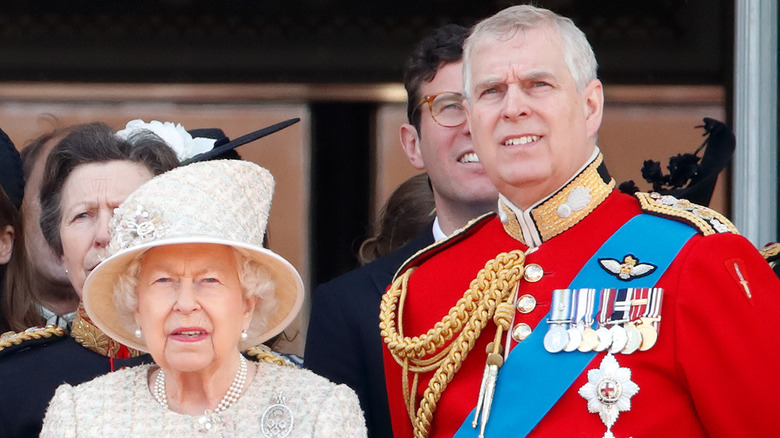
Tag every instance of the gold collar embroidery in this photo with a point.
(561, 210)
(91, 337)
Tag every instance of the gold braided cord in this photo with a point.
(422, 364)
(494, 286)
(504, 313)
(9, 338)
(264, 354)
(433, 339)
(503, 319)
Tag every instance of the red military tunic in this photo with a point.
(711, 372)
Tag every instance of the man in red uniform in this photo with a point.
(577, 310)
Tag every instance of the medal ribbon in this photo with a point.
(559, 312)
(622, 306)
(520, 403)
(655, 299)
(578, 306)
(590, 295)
(639, 303)
(607, 306)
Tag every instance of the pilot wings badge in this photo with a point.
(629, 269)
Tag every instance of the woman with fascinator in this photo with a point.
(189, 281)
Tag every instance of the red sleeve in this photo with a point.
(728, 341)
(402, 426)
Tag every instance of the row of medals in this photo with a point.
(626, 337)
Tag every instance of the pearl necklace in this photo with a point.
(233, 393)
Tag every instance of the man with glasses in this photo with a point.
(437, 137)
(343, 341)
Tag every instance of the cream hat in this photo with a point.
(223, 202)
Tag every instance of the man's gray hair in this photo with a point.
(253, 277)
(506, 24)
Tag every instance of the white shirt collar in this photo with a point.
(52, 318)
(438, 234)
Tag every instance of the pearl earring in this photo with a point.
(244, 335)
(138, 333)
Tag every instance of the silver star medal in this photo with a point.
(277, 421)
(609, 391)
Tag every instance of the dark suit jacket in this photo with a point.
(343, 341)
(30, 373)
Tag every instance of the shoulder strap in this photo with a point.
(771, 252)
(706, 220)
(11, 342)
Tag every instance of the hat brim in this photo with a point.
(98, 295)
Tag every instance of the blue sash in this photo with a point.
(526, 390)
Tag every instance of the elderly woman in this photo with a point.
(193, 285)
(88, 173)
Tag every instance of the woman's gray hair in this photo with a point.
(506, 24)
(253, 277)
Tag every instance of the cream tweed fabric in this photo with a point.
(120, 404)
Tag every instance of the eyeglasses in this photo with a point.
(446, 108)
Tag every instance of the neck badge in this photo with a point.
(609, 391)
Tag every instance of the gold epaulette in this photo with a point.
(771, 252)
(262, 353)
(86, 333)
(450, 240)
(10, 339)
(706, 220)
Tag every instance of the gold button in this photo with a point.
(521, 331)
(533, 273)
(525, 304)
